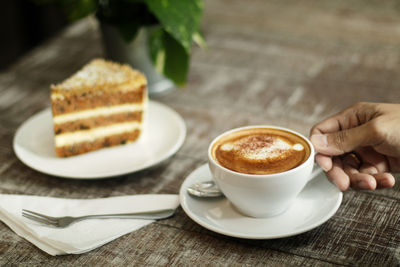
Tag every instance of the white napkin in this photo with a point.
(85, 235)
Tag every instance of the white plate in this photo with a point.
(318, 201)
(163, 136)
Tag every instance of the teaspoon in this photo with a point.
(205, 189)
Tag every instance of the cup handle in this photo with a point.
(316, 171)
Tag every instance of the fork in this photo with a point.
(67, 220)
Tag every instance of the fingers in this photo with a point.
(355, 130)
(385, 180)
(394, 164)
(329, 125)
(373, 162)
(340, 142)
(368, 169)
(351, 162)
(345, 131)
(358, 180)
(351, 117)
(337, 175)
(363, 181)
(348, 171)
(325, 162)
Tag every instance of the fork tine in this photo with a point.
(39, 215)
(39, 219)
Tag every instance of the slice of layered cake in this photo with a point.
(101, 105)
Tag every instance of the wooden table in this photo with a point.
(290, 63)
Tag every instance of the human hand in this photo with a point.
(360, 146)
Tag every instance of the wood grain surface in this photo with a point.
(288, 63)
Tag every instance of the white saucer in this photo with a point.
(163, 136)
(318, 201)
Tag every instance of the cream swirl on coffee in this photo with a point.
(261, 146)
(261, 151)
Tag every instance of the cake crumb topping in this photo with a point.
(100, 72)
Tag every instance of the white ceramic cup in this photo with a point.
(261, 195)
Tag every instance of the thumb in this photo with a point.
(338, 143)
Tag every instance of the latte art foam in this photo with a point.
(260, 147)
(261, 151)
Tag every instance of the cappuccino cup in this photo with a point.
(261, 169)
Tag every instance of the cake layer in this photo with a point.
(98, 121)
(101, 111)
(107, 141)
(66, 139)
(84, 101)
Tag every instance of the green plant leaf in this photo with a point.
(199, 40)
(134, 12)
(169, 56)
(127, 15)
(77, 9)
(180, 18)
(157, 49)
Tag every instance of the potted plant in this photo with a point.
(154, 36)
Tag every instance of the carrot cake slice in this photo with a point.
(101, 105)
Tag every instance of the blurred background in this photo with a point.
(24, 25)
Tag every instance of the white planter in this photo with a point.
(136, 54)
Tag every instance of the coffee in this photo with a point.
(260, 151)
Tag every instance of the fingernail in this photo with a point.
(362, 184)
(325, 168)
(387, 183)
(335, 183)
(319, 140)
(323, 165)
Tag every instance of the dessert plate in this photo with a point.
(318, 201)
(163, 136)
